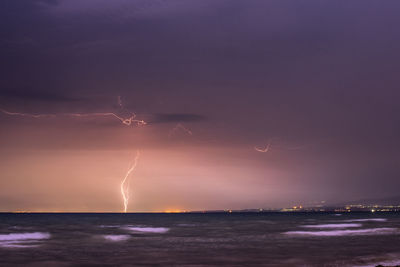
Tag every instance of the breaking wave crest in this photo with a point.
(147, 229)
(22, 240)
(337, 225)
(372, 231)
(116, 238)
(368, 220)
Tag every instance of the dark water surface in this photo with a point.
(237, 239)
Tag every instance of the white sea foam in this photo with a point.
(368, 220)
(337, 225)
(148, 229)
(371, 231)
(116, 238)
(19, 244)
(15, 245)
(22, 240)
(24, 236)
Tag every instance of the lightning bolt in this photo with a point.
(126, 181)
(36, 116)
(127, 121)
(178, 127)
(263, 150)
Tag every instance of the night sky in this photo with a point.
(316, 81)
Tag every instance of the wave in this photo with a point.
(148, 229)
(372, 231)
(24, 236)
(116, 238)
(187, 224)
(368, 220)
(338, 225)
(16, 245)
(22, 240)
(390, 259)
(381, 263)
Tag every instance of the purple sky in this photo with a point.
(317, 80)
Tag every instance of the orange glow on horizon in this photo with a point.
(174, 211)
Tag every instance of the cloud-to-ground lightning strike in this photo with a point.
(179, 126)
(125, 182)
(263, 150)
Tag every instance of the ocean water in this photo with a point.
(235, 239)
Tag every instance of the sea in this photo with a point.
(200, 239)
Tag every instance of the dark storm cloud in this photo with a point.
(26, 5)
(177, 117)
(297, 70)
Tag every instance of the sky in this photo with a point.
(315, 83)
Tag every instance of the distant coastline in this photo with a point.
(355, 208)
